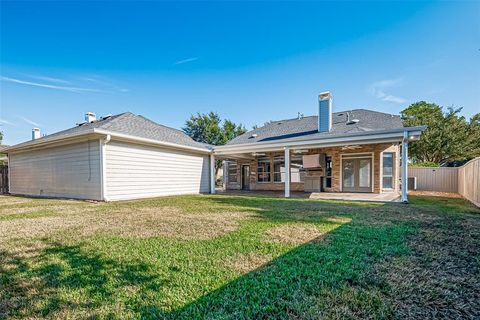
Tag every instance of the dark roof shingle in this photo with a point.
(129, 124)
(307, 126)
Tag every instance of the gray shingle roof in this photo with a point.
(130, 124)
(307, 126)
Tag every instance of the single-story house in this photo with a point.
(127, 156)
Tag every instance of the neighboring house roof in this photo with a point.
(307, 127)
(126, 124)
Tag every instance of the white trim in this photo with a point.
(287, 172)
(310, 144)
(65, 140)
(103, 166)
(8, 170)
(357, 138)
(359, 157)
(151, 141)
(405, 167)
(212, 173)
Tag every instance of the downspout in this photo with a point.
(405, 167)
(103, 162)
(9, 175)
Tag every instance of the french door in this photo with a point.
(356, 174)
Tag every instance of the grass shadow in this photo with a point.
(326, 277)
(33, 285)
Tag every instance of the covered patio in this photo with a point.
(339, 196)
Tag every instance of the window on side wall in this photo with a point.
(328, 172)
(387, 166)
(232, 172)
(297, 173)
(263, 169)
(279, 169)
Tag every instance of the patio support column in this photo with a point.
(404, 167)
(212, 173)
(287, 173)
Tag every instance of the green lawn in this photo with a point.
(239, 257)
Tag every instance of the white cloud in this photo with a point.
(3, 121)
(33, 123)
(378, 89)
(186, 60)
(50, 79)
(50, 86)
(101, 81)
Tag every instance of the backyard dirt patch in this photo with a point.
(293, 234)
(124, 222)
(165, 221)
(248, 262)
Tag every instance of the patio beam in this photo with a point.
(287, 173)
(405, 167)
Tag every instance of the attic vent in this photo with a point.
(254, 135)
(351, 121)
(105, 117)
(279, 123)
(81, 123)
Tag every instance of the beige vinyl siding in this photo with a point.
(70, 171)
(138, 171)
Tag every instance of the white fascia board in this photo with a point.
(356, 138)
(41, 143)
(122, 136)
(317, 143)
(98, 132)
(313, 145)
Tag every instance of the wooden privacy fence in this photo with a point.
(464, 180)
(435, 179)
(469, 181)
(3, 179)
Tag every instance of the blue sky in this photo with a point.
(250, 62)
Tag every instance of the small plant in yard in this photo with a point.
(238, 257)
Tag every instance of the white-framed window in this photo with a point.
(279, 169)
(263, 169)
(328, 172)
(297, 173)
(388, 164)
(232, 172)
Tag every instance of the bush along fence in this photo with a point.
(464, 180)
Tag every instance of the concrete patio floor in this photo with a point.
(347, 196)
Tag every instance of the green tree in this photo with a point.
(448, 137)
(208, 128)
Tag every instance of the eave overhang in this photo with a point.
(96, 134)
(369, 137)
